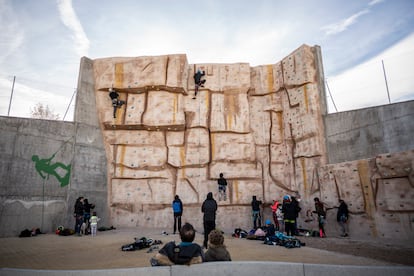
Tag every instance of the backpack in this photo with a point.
(176, 207)
(181, 255)
(137, 245)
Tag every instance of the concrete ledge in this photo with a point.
(228, 268)
(153, 271)
(342, 270)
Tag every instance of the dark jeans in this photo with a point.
(177, 219)
(78, 223)
(208, 227)
(257, 219)
(290, 228)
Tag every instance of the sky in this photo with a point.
(367, 45)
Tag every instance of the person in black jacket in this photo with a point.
(198, 81)
(222, 185)
(209, 209)
(295, 202)
(87, 207)
(257, 218)
(290, 210)
(78, 214)
(342, 217)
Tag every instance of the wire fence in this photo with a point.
(373, 83)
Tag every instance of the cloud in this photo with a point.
(11, 33)
(26, 97)
(70, 20)
(374, 2)
(343, 24)
(364, 85)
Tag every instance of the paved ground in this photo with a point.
(50, 251)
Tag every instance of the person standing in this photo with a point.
(274, 208)
(320, 211)
(289, 215)
(94, 223)
(87, 214)
(209, 209)
(78, 213)
(177, 207)
(222, 185)
(297, 208)
(257, 218)
(342, 217)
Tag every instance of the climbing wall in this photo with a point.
(262, 127)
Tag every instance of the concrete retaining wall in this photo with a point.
(231, 268)
(365, 133)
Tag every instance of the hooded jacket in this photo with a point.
(217, 252)
(209, 208)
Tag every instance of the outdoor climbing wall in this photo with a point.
(379, 193)
(262, 127)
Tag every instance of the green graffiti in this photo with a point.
(45, 168)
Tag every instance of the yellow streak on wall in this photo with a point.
(364, 175)
(182, 157)
(119, 75)
(230, 111)
(207, 101)
(235, 186)
(305, 95)
(280, 122)
(119, 81)
(270, 77)
(305, 178)
(122, 150)
(175, 106)
(212, 145)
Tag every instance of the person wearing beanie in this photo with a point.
(216, 249)
(269, 228)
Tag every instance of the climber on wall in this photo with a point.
(116, 102)
(198, 81)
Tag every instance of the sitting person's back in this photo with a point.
(185, 253)
(216, 249)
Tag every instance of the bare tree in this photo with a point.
(41, 111)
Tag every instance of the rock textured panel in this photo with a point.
(262, 127)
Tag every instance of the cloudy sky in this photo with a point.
(42, 41)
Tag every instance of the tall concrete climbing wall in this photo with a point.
(260, 126)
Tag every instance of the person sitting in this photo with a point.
(185, 253)
(269, 229)
(216, 249)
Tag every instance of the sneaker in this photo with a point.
(154, 262)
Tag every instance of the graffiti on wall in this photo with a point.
(59, 170)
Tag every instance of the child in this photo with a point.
(94, 223)
(216, 249)
(185, 253)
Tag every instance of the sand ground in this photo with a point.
(50, 251)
